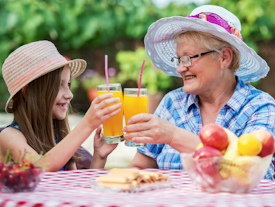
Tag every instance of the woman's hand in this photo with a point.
(101, 149)
(152, 129)
(98, 113)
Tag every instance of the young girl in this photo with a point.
(38, 79)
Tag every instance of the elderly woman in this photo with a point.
(206, 50)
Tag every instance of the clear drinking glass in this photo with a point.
(134, 104)
(112, 128)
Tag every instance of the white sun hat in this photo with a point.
(32, 61)
(160, 40)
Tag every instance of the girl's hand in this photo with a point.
(149, 128)
(98, 113)
(102, 149)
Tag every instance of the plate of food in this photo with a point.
(131, 181)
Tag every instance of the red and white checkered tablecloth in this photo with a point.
(73, 188)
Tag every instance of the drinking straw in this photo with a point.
(106, 72)
(140, 76)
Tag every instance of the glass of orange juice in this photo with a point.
(112, 128)
(134, 104)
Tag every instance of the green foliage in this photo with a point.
(96, 80)
(74, 84)
(79, 25)
(257, 18)
(176, 10)
(130, 65)
(255, 84)
(72, 23)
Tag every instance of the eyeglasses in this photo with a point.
(186, 60)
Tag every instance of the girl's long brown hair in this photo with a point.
(32, 110)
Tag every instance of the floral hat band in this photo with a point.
(216, 19)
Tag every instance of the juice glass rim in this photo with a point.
(112, 86)
(135, 89)
(133, 92)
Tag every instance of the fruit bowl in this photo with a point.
(13, 179)
(217, 174)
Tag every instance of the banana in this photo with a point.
(230, 154)
(240, 168)
(247, 161)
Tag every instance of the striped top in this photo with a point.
(247, 110)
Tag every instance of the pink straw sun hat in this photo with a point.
(160, 40)
(32, 61)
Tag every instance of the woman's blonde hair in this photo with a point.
(32, 111)
(210, 42)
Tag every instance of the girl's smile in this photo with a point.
(64, 95)
(62, 106)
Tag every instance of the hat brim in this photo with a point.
(160, 46)
(77, 67)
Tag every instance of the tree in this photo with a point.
(89, 29)
(257, 18)
(73, 25)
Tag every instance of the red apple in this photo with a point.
(267, 140)
(207, 167)
(213, 135)
(207, 152)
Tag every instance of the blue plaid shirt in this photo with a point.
(247, 110)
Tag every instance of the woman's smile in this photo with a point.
(188, 77)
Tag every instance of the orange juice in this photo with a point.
(134, 104)
(113, 126)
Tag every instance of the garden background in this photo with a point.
(90, 29)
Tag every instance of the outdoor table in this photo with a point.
(73, 188)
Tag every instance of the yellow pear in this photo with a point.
(231, 136)
(232, 150)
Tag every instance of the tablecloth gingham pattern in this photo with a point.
(73, 188)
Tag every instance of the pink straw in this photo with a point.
(106, 72)
(140, 76)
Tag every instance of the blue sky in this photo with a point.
(163, 3)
